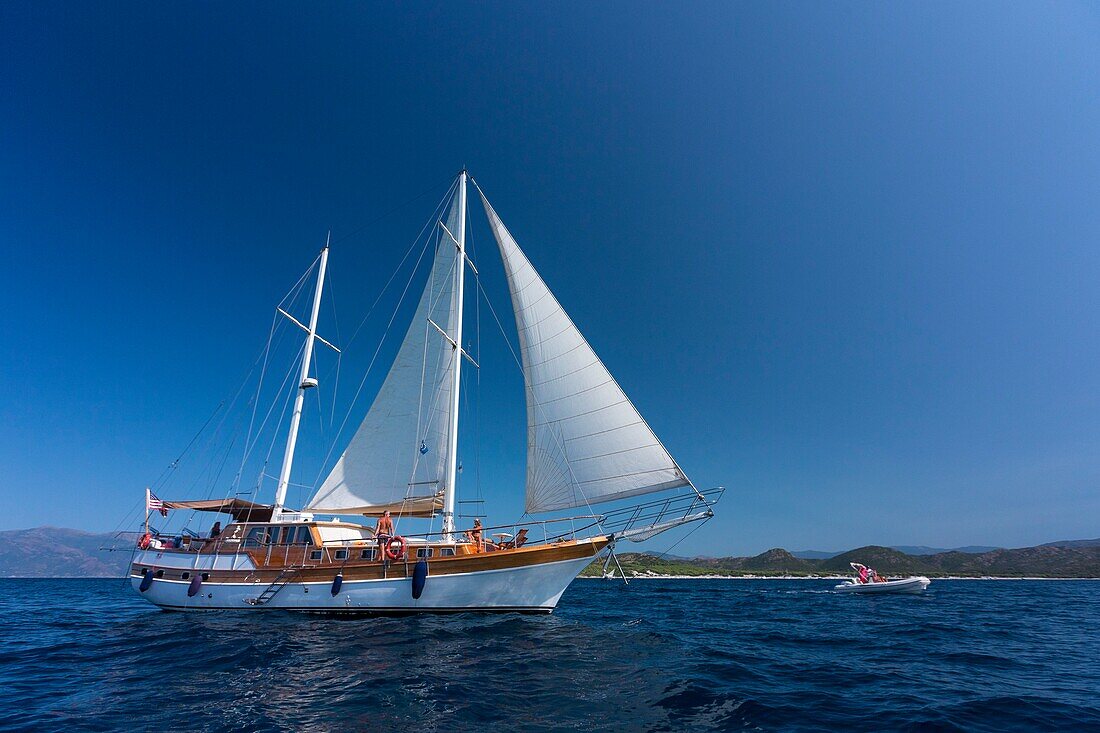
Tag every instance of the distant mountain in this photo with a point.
(882, 559)
(69, 553)
(1073, 543)
(924, 550)
(1078, 560)
(814, 554)
(53, 552)
(907, 549)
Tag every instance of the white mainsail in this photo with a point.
(586, 442)
(397, 459)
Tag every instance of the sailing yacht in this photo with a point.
(587, 446)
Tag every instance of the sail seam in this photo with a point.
(567, 374)
(579, 392)
(624, 475)
(617, 452)
(581, 414)
(609, 430)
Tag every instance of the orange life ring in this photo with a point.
(145, 541)
(402, 547)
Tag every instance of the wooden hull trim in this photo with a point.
(252, 572)
(529, 588)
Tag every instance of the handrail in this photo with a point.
(592, 520)
(615, 521)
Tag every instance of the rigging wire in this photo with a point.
(689, 534)
(395, 209)
(393, 316)
(435, 215)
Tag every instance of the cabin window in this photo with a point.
(315, 555)
(446, 552)
(341, 554)
(258, 536)
(303, 537)
(367, 554)
(423, 552)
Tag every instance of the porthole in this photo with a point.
(185, 575)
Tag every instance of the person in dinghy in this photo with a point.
(866, 574)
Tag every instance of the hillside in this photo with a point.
(69, 553)
(883, 559)
(54, 552)
(1077, 560)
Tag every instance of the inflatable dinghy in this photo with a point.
(915, 584)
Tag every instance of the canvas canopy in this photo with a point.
(241, 510)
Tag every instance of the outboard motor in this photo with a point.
(420, 577)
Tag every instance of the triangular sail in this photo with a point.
(586, 442)
(397, 458)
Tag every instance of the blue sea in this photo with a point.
(655, 655)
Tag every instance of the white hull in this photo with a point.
(532, 588)
(908, 585)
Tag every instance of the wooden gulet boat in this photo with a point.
(586, 444)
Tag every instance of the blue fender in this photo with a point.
(146, 580)
(336, 583)
(195, 586)
(420, 577)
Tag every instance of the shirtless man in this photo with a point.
(383, 532)
(474, 536)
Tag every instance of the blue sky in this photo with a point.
(843, 258)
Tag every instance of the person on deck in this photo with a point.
(216, 530)
(863, 573)
(383, 532)
(474, 536)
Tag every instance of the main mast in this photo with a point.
(452, 452)
(304, 383)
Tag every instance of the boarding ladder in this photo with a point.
(285, 576)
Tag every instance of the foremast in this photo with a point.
(304, 383)
(456, 373)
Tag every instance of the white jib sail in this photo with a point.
(586, 442)
(397, 458)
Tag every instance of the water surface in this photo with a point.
(655, 655)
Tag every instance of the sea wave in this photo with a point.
(661, 655)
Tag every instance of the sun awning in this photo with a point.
(241, 510)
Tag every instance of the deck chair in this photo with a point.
(517, 541)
